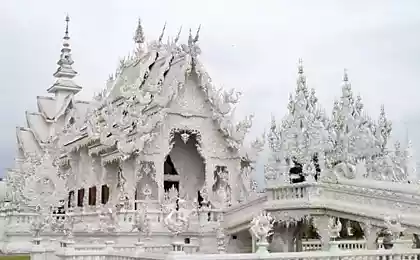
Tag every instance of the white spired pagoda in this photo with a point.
(155, 167)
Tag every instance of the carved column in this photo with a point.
(98, 194)
(128, 170)
(321, 224)
(86, 198)
(159, 167)
(97, 172)
(371, 234)
(209, 176)
(233, 183)
(253, 241)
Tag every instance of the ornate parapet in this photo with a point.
(349, 197)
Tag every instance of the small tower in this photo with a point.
(64, 75)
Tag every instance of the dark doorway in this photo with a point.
(169, 167)
(167, 185)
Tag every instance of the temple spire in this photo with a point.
(65, 73)
(346, 76)
(346, 92)
(301, 81)
(300, 66)
(139, 34)
(140, 39)
(66, 33)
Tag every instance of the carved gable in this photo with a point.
(191, 100)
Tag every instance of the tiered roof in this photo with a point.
(135, 101)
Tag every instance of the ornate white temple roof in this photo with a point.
(349, 142)
(144, 84)
(137, 98)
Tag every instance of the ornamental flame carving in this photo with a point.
(394, 226)
(262, 226)
(108, 220)
(334, 227)
(178, 212)
(141, 220)
(40, 222)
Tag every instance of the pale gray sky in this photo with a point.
(250, 45)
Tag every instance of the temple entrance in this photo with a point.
(184, 167)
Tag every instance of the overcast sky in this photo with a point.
(250, 45)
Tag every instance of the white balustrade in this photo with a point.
(19, 221)
(315, 244)
(291, 191)
(349, 192)
(163, 248)
(161, 252)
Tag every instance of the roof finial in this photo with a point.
(65, 72)
(66, 35)
(300, 66)
(301, 82)
(346, 76)
(190, 38)
(163, 33)
(139, 34)
(179, 34)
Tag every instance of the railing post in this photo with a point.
(177, 249)
(66, 249)
(139, 248)
(334, 246)
(109, 246)
(38, 251)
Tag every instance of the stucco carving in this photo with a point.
(350, 143)
(178, 212)
(186, 134)
(222, 191)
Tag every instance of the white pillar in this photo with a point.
(38, 251)
(253, 243)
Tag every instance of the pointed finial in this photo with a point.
(65, 73)
(273, 122)
(346, 76)
(139, 34)
(66, 34)
(382, 109)
(179, 34)
(197, 34)
(300, 66)
(163, 33)
(190, 38)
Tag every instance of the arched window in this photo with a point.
(92, 196)
(80, 197)
(104, 194)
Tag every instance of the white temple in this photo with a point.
(156, 163)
